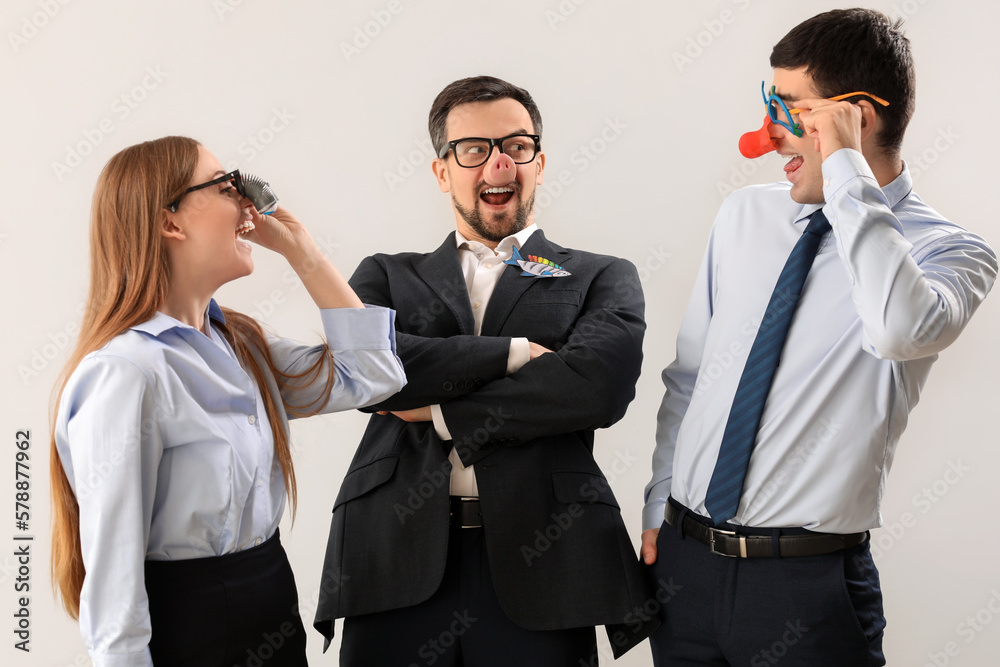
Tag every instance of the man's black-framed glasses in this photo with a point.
(475, 151)
(234, 177)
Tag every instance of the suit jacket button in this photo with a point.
(447, 386)
(478, 383)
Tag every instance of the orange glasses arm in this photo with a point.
(878, 99)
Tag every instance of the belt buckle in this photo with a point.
(467, 499)
(711, 543)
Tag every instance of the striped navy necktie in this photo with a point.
(726, 486)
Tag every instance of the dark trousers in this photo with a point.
(462, 624)
(811, 611)
(236, 610)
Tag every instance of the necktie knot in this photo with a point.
(818, 224)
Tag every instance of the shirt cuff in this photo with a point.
(841, 168)
(439, 425)
(368, 328)
(656, 505)
(141, 659)
(520, 354)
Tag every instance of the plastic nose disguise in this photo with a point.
(757, 143)
(501, 171)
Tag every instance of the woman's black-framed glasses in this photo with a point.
(475, 151)
(234, 176)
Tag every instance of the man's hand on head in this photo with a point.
(833, 125)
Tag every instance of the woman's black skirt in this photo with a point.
(236, 610)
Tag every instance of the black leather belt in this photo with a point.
(732, 544)
(465, 512)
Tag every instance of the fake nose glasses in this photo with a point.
(757, 143)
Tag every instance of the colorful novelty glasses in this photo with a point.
(776, 106)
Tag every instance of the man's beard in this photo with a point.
(502, 225)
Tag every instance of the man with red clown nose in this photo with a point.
(831, 296)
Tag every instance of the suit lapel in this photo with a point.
(512, 284)
(443, 273)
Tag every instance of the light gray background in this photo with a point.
(331, 124)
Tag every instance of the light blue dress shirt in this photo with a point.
(892, 285)
(165, 440)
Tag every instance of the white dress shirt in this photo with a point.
(482, 267)
(892, 285)
(165, 441)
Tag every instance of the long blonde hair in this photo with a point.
(129, 278)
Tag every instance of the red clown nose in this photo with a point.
(755, 144)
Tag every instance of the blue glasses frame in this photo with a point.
(772, 112)
(796, 129)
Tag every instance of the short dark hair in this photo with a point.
(476, 89)
(856, 49)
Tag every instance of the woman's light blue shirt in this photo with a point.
(165, 440)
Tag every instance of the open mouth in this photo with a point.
(793, 165)
(245, 227)
(497, 196)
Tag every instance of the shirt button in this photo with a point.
(826, 182)
(477, 304)
(257, 542)
(252, 419)
(260, 482)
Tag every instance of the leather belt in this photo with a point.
(732, 544)
(465, 512)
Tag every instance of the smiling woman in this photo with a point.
(170, 458)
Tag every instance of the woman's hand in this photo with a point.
(281, 232)
(284, 234)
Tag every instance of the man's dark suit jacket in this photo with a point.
(558, 549)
